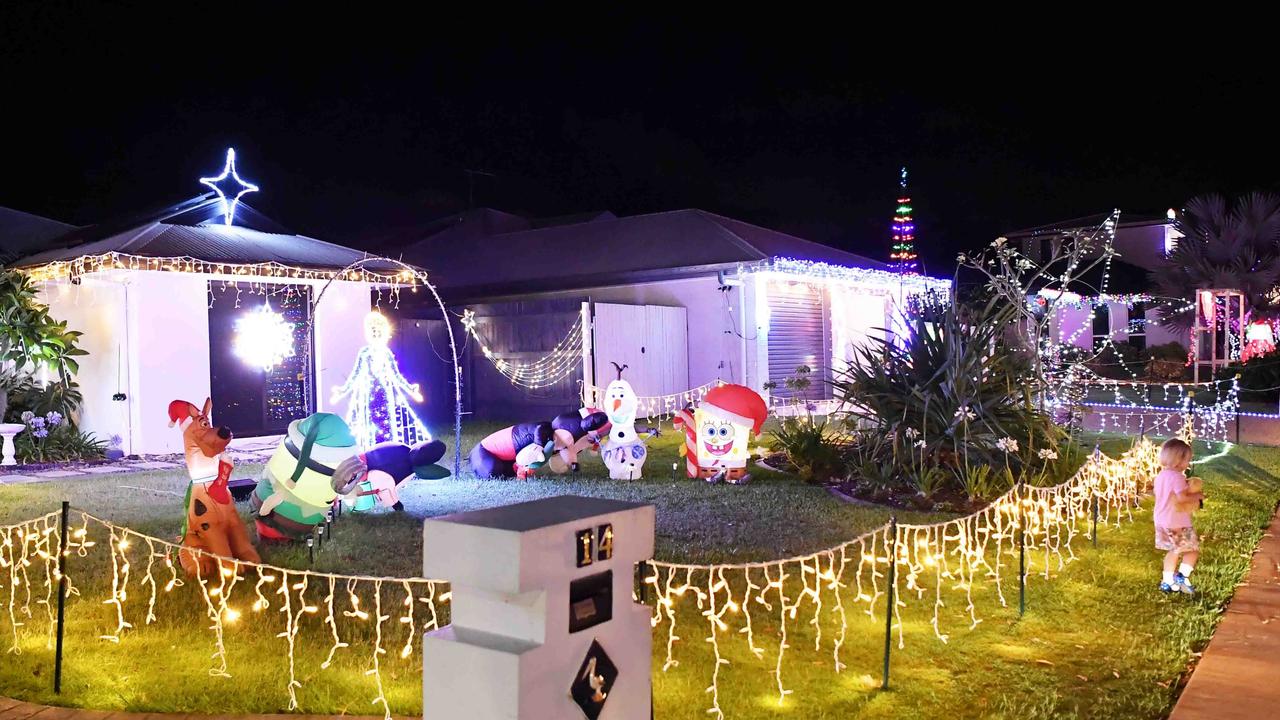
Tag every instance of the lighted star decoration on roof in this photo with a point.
(469, 321)
(230, 187)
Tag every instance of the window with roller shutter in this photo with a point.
(799, 334)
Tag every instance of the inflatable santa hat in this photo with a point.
(738, 404)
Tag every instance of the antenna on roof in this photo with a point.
(471, 184)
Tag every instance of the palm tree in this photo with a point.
(1225, 246)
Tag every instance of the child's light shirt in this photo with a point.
(1167, 514)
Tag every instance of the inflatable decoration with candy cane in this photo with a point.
(689, 451)
(717, 435)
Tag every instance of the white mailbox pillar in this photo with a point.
(543, 622)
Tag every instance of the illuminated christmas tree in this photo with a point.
(903, 257)
(378, 409)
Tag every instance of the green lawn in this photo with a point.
(1097, 641)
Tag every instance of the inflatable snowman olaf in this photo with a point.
(624, 452)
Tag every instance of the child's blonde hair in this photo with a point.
(1174, 452)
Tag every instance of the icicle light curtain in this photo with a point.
(364, 617)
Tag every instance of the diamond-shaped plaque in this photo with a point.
(593, 682)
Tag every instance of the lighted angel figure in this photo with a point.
(378, 408)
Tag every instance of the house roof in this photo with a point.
(194, 228)
(1088, 222)
(1122, 279)
(607, 250)
(22, 232)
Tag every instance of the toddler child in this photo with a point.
(1174, 531)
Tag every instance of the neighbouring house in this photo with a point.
(683, 299)
(162, 299)
(1114, 304)
(22, 233)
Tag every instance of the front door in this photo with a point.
(247, 398)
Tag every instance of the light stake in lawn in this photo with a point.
(889, 594)
(1022, 551)
(311, 551)
(1094, 531)
(62, 595)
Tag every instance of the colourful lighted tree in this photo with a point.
(903, 257)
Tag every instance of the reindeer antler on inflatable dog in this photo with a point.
(212, 524)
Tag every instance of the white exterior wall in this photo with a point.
(168, 354)
(96, 308)
(1072, 319)
(157, 324)
(729, 330)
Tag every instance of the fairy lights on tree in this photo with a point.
(378, 409)
(903, 257)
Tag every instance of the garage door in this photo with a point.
(651, 340)
(799, 334)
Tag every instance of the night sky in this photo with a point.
(357, 130)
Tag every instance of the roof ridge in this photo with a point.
(741, 241)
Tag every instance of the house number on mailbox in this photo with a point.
(594, 544)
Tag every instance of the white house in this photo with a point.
(158, 298)
(1115, 304)
(683, 298)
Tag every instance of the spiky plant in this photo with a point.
(1227, 246)
(951, 390)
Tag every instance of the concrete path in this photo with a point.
(1239, 675)
(18, 710)
(248, 450)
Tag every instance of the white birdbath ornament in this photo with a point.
(8, 431)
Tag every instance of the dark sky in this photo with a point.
(368, 124)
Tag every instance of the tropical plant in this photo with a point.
(1224, 245)
(29, 337)
(954, 387)
(32, 341)
(869, 457)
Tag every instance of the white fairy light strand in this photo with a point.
(657, 407)
(33, 543)
(956, 553)
(558, 362)
(819, 589)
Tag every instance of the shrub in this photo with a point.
(52, 438)
(1166, 362)
(811, 445)
(1259, 377)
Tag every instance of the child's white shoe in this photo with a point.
(1183, 585)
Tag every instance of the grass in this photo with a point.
(1097, 640)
